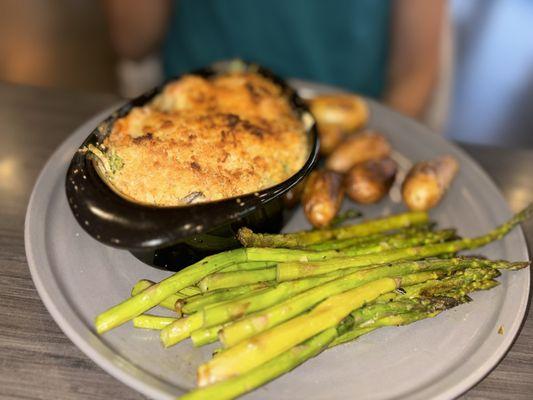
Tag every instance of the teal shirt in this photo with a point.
(339, 42)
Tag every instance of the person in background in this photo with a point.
(388, 50)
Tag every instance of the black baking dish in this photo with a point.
(170, 237)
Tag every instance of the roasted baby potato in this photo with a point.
(358, 148)
(348, 112)
(322, 197)
(368, 182)
(427, 181)
(330, 137)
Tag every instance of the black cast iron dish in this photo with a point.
(170, 237)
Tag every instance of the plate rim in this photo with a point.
(122, 374)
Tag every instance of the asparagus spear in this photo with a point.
(299, 239)
(193, 304)
(390, 320)
(224, 280)
(285, 362)
(398, 242)
(232, 279)
(250, 265)
(358, 241)
(279, 365)
(371, 313)
(461, 282)
(397, 312)
(219, 313)
(169, 302)
(336, 244)
(143, 284)
(387, 316)
(152, 296)
(285, 255)
(296, 270)
(292, 288)
(201, 337)
(256, 351)
(152, 321)
(181, 329)
(205, 336)
(278, 313)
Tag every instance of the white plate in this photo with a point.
(77, 278)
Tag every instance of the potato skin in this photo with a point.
(427, 182)
(348, 112)
(368, 182)
(330, 137)
(358, 148)
(322, 197)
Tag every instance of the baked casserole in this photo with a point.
(204, 139)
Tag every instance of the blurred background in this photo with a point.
(488, 90)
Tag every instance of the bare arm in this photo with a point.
(137, 27)
(414, 57)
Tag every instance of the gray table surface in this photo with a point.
(37, 361)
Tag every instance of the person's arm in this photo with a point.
(414, 55)
(137, 27)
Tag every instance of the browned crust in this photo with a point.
(223, 137)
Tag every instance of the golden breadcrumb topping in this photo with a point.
(206, 139)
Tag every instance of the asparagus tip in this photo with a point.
(523, 215)
(245, 236)
(514, 266)
(441, 303)
(511, 266)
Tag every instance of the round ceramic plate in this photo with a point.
(77, 278)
